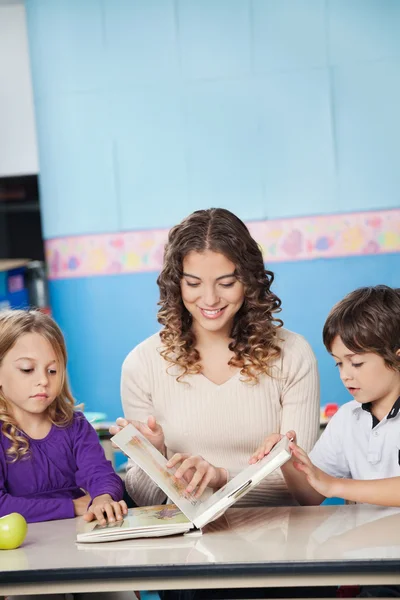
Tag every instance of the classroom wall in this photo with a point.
(18, 151)
(149, 109)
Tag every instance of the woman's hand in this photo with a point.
(152, 431)
(106, 510)
(268, 444)
(198, 473)
(323, 483)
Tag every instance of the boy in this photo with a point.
(358, 455)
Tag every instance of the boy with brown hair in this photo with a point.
(357, 457)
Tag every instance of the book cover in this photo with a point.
(146, 521)
(147, 457)
(185, 511)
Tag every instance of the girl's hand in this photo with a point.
(81, 504)
(268, 444)
(320, 481)
(105, 509)
(152, 431)
(198, 473)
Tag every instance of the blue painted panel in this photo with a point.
(150, 150)
(103, 318)
(141, 41)
(298, 150)
(77, 179)
(361, 30)
(309, 289)
(149, 109)
(67, 48)
(214, 38)
(3, 283)
(289, 34)
(367, 100)
(224, 148)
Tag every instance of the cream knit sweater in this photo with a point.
(223, 423)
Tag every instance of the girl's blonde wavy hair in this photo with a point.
(13, 325)
(254, 330)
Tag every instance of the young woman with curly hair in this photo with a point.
(222, 373)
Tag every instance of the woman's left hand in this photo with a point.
(198, 473)
(106, 510)
(268, 444)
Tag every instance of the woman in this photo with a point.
(222, 373)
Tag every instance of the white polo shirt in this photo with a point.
(355, 445)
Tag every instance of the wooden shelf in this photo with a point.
(16, 207)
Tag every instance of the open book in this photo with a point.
(186, 512)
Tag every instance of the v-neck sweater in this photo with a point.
(222, 423)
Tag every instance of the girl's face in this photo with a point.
(29, 375)
(211, 291)
(366, 375)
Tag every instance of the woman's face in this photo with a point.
(211, 291)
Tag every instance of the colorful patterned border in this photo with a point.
(281, 240)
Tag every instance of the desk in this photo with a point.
(257, 547)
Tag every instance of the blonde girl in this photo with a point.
(49, 453)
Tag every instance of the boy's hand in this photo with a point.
(198, 473)
(268, 444)
(323, 483)
(105, 509)
(151, 430)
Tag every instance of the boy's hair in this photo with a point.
(13, 325)
(367, 320)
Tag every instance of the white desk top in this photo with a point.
(244, 542)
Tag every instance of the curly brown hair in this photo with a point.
(14, 324)
(367, 320)
(254, 330)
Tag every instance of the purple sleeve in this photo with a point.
(33, 510)
(95, 473)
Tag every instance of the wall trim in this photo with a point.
(281, 240)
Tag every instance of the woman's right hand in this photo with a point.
(198, 473)
(151, 430)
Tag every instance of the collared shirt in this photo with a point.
(355, 445)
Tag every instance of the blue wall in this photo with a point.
(149, 109)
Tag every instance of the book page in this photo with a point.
(146, 520)
(144, 454)
(240, 485)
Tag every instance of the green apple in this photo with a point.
(13, 530)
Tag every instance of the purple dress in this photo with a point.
(58, 468)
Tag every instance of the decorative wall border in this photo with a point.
(282, 240)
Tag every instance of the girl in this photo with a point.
(222, 372)
(49, 454)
